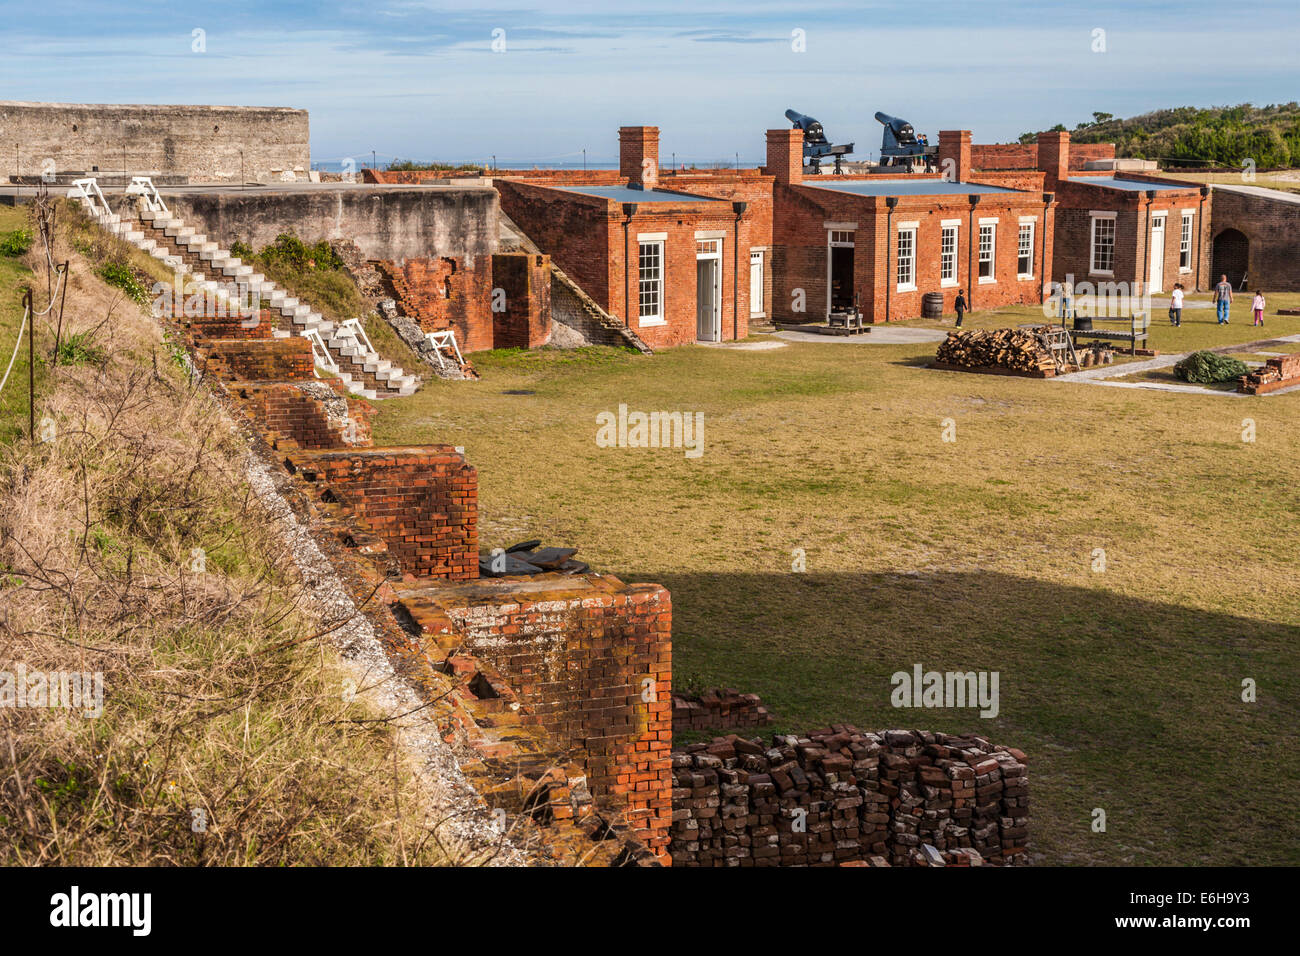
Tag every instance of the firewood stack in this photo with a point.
(1015, 349)
(1275, 373)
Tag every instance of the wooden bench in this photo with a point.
(1139, 330)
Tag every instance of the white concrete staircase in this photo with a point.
(223, 278)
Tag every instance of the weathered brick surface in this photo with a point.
(446, 292)
(592, 658)
(524, 282)
(422, 500)
(1270, 227)
(718, 709)
(288, 360)
(990, 156)
(308, 415)
(840, 795)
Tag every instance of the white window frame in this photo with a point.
(1186, 236)
(949, 227)
(991, 224)
(908, 229)
(660, 241)
(1031, 222)
(757, 303)
(1092, 242)
(834, 229)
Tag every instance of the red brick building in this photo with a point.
(664, 261)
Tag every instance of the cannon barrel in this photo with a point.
(893, 122)
(812, 129)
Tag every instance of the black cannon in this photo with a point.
(901, 146)
(816, 146)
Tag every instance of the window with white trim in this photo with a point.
(907, 258)
(756, 282)
(1025, 251)
(841, 237)
(948, 256)
(1185, 242)
(1103, 245)
(650, 284)
(987, 249)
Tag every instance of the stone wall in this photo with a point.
(203, 143)
(385, 222)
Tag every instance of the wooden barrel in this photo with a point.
(932, 305)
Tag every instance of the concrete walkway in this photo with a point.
(1101, 374)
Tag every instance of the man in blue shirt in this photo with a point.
(1223, 299)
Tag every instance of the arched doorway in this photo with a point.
(1231, 255)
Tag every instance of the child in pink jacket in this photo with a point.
(1257, 306)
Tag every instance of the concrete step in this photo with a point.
(235, 268)
(133, 235)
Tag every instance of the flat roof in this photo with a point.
(628, 194)
(907, 187)
(1127, 185)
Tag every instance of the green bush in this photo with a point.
(1207, 368)
(241, 250)
(16, 243)
(288, 251)
(124, 279)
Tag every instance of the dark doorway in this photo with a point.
(1231, 256)
(841, 277)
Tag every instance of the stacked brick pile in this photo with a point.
(842, 795)
(1279, 372)
(718, 708)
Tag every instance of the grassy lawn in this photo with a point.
(1123, 685)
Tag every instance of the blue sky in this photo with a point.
(421, 80)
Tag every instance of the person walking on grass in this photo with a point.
(1223, 299)
(1257, 306)
(961, 306)
(1176, 305)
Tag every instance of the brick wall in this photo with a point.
(525, 281)
(839, 796)
(308, 415)
(288, 360)
(446, 292)
(638, 154)
(1271, 228)
(989, 156)
(717, 709)
(593, 659)
(422, 500)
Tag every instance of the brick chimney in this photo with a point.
(954, 154)
(785, 155)
(638, 155)
(1054, 157)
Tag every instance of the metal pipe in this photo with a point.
(1200, 219)
(890, 203)
(739, 209)
(629, 210)
(970, 253)
(1146, 245)
(31, 366)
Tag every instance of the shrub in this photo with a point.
(124, 279)
(241, 250)
(288, 251)
(16, 243)
(1209, 367)
(77, 350)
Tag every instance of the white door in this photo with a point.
(756, 282)
(708, 290)
(1156, 282)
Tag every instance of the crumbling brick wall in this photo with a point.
(840, 795)
(593, 659)
(308, 415)
(422, 500)
(446, 292)
(286, 360)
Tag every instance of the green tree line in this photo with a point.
(1190, 136)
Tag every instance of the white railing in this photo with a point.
(320, 352)
(359, 333)
(143, 186)
(87, 190)
(442, 340)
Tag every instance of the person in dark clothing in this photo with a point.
(961, 306)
